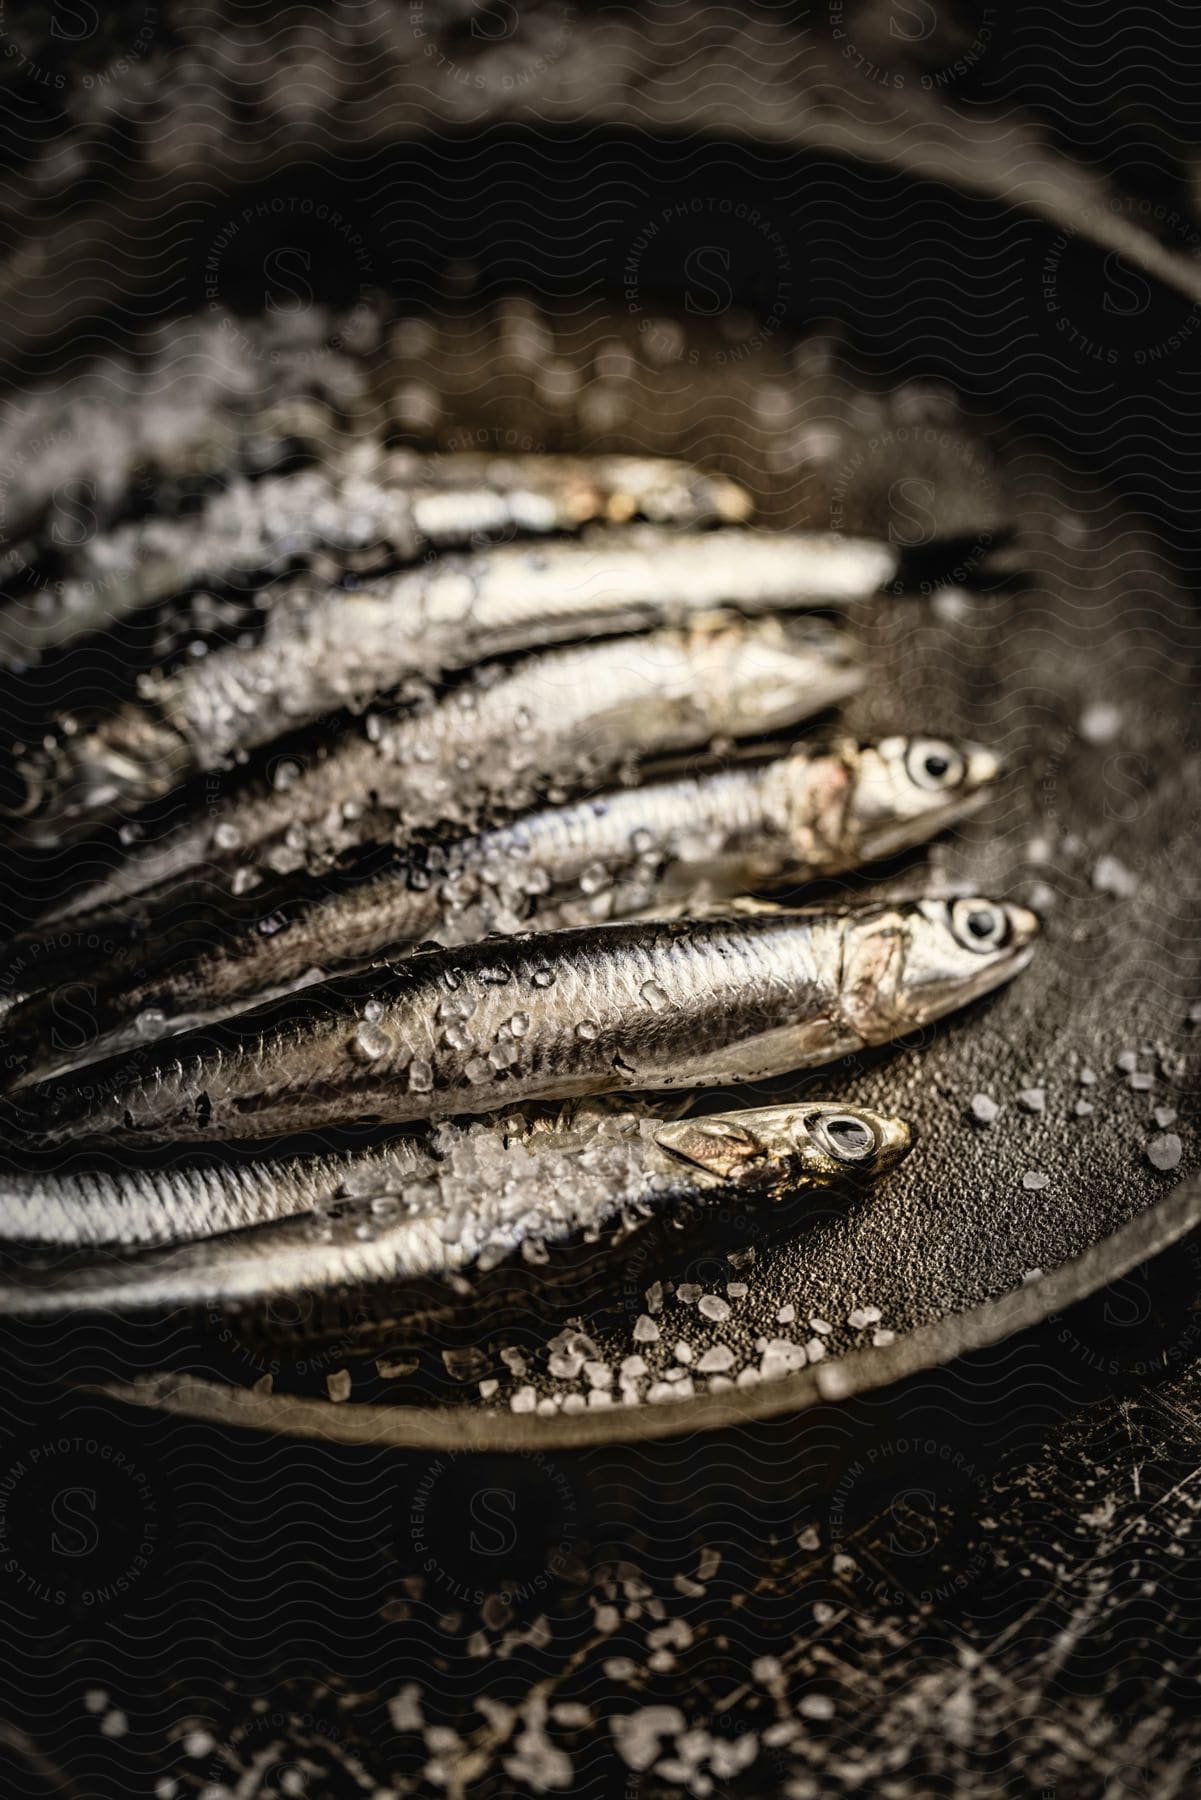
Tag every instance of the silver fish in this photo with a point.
(322, 652)
(466, 1199)
(371, 507)
(121, 1208)
(554, 1015)
(616, 856)
(570, 719)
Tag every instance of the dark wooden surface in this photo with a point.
(983, 1582)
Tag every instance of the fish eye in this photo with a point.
(934, 765)
(979, 924)
(844, 1136)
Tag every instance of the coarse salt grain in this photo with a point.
(1164, 1151)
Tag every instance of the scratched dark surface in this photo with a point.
(982, 1580)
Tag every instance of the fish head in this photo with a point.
(813, 1143)
(908, 788)
(768, 674)
(905, 966)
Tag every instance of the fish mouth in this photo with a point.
(984, 768)
(897, 1138)
(1025, 928)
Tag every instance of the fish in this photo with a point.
(629, 853)
(325, 652)
(462, 1199)
(568, 719)
(635, 1006)
(372, 507)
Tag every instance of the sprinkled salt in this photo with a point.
(645, 1330)
(1127, 1061)
(883, 1337)
(781, 1357)
(1164, 1151)
(864, 1315)
(524, 1400)
(713, 1307)
(815, 1350)
(1088, 1077)
(737, 1290)
(659, 1391)
(984, 1109)
(1164, 1116)
(1083, 1108)
(1100, 723)
(1033, 1099)
(1113, 877)
(786, 1314)
(716, 1360)
(688, 1293)
(1141, 1081)
(393, 1371)
(1034, 1181)
(822, 1325)
(337, 1384)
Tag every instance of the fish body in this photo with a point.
(123, 1208)
(631, 852)
(371, 506)
(555, 1015)
(466, 1198)
(569, 719)
(323, 652)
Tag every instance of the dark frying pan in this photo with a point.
(1049, 628)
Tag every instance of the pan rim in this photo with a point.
(468, 1430)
